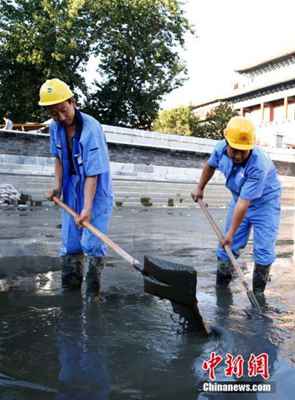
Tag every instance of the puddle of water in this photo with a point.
(54, 345)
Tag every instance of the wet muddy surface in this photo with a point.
(130, 345)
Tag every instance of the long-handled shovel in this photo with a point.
(234, 262)
(164, 279)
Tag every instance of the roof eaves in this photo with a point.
(254, 89)
(251, 67)
(207, 103)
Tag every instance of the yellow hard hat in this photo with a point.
(54, 91)
(240, 133)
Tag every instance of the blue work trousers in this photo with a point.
(79, 240)
(265, 220)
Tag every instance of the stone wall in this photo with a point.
(37, 145)
(140, 147)
(24, 144)
(144, 164)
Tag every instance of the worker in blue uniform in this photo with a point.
(82, 177)
(256, 191)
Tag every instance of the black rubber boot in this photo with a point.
(92, 269)
(72, 271)
(224, 273)
(260, 278)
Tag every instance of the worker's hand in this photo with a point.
(53, 193)
(85, 216)
(227, 241)
(197, 194)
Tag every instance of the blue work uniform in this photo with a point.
(255, 180)
(89, 157)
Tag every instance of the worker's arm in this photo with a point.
(206, 175)
(89, 193)
(58, 179)
(238, 216)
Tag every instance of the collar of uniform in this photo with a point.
(79, 124)
(247, 159)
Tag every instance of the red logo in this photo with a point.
(258, 365)
(234, 366)
(211, 364)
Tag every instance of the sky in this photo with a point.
(230, 34)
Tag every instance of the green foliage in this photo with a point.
(180, 120)
(139, 62)
(40, 39)
(183, 121)
(217, 119)
(146, 201)
(135, 41)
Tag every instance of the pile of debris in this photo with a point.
(8, 195)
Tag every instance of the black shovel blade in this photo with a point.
(164, 291)
(167, 279)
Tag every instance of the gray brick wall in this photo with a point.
(28, 144)
(25, 144)
(38, 145)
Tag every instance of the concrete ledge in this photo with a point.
(44, 166)
(148, 139)
(137, 137)
(137, 170)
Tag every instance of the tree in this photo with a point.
(217, 119)
(41, 39)
(180, 120)
(139, 61)
(183, 121)
(136, 42)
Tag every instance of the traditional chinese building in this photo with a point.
(265, 92)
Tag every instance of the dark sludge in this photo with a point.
(177, 283)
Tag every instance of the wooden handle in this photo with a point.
(96, 232)
(229, 252)
(221, 238)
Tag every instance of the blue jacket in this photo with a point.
(255, 180)
(89, 158)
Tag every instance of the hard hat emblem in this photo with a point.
(49, 90)
(244, 138)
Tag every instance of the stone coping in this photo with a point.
(142, 138)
